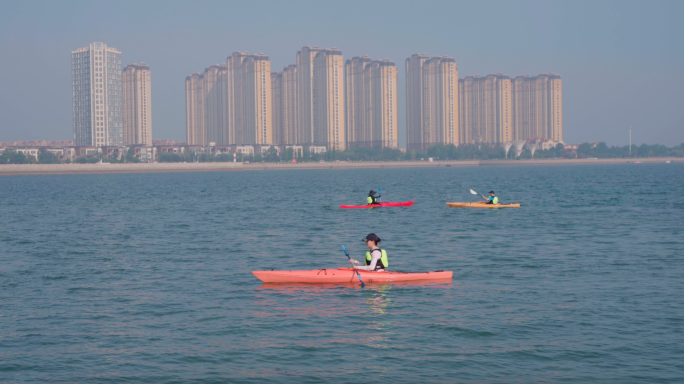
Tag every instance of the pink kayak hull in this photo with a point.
(347, 275)
(402, 204)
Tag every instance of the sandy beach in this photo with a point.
(65, 169)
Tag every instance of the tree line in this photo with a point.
(12, 156)
(437, 152)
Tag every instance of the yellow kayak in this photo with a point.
(482, 205)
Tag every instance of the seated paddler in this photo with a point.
(372, 199)
(492, 198)
(376, 258)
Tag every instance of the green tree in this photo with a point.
(288, 154)
(13, 157)
(169, 157)
(47, 157)
(130, 157)
(271, 155)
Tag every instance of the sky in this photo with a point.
(621, 62)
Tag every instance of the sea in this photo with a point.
(147, 278)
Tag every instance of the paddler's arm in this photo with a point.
(375, 256)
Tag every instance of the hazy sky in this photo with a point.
(621, 61)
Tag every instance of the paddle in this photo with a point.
(379, 192)
(357, 271)
(475, 193)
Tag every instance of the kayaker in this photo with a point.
(376, 258)
(372, 199)
(492, 198)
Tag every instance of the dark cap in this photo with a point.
(371, 193)
(372, 237)
(491, 191)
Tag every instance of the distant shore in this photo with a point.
(66, 169)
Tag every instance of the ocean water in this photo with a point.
(146, 277)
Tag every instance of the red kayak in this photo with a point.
(402, 204)
(347, 275)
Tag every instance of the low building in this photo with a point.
(169, 149)
(313, 149)
(112, 152)
(223, 149)
(245, 150)
(197, 149)
(73, 152)
(297, 150)
(264, 148)
(59, 152)
(31, 151)
(144, 153)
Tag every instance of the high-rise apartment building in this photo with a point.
(214, 79)
(537, 104)
(234, 105)
(137, 96)
(432, 101)
(97, 96)
(277, 106)
(305, 94)
(328, 96)
(248, 99)
(284, 105)
(257, 125)
(371, 102)
(485, 105)
(414, 103)
(355, 106)
(290, 126)
(231, 103)
(383, 102)
(195, 113)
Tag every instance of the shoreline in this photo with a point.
(106, 168)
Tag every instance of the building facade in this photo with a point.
(257, 124)
(383, 104)
(231, 103)
(214, 81)
(290, 126)
(432, 101)
(305, 94)
(485, 105)
(328, 96)
(414, 100)
(537, 104)
(247, 101)
(195, 128)
(277, 106)
(371, 102)
(355, 107)
(284, 105)
(97, 96)
(137, 96)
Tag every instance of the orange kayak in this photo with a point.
(482, 204)
(347, 275)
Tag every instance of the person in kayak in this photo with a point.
(492, 198)
(372, 199)
(376, 258)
